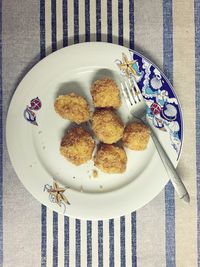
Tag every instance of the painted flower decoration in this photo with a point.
(29, 114)
(35, 104)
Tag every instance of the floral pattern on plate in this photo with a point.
(162, 105)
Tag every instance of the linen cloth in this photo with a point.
(166, 231)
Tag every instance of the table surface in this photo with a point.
(165, 232)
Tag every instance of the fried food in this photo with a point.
(72, 107)
(111, 159)
(105, 93)
(136, 136)
(77, 146)
(107, 126)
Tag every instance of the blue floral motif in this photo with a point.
(162, 105)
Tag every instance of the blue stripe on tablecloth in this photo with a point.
(100, 243)
(131, 23)
(89, 244)
(122, 242)
(197, 81)
(65, 23)
(44, 235)
(42, 29)
(87, 20)
(109, 21)
(98, 20)
(78, 243)
(55, 239)
(1, 144)
(134, 239)
(53, 25)
(66, 241)
(120, 22)
(169, 190)
(111, 243)
(168, 39)
(76, 21)
(43, 208)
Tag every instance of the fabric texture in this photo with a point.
(165, 232)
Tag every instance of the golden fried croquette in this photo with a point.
(77, 146)
(107, 126)
(72, 107)
(136, 136)
(105, 93)
(111, 159)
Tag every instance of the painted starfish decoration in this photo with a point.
(127, 67)
(56, 193)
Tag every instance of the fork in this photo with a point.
(137, 107)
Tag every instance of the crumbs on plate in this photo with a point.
(95, 173)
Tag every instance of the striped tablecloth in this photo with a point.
(166, 232)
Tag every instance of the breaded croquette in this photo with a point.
(111, 159)
(77, 146)
(136, 136)
(107, 126)
(72, 107)
(105, 93)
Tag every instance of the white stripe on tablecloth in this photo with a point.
(70, 15)
(184, 83)
(81, 21)
(151, 218)
(49, 258)
(115, 21)
(126, 23)
(104, 20)
(95, 243)
(93, 20)
(106, 243)
(83, 243)
(59, 24)
(117, 242)
(48, 27)
(60, 240)
(72, 242)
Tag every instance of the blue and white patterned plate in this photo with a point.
(34, 131)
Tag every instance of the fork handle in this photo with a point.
(171, 171)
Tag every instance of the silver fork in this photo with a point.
(137, 106)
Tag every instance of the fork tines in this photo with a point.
(131, 91)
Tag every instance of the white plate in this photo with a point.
(34, 132)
